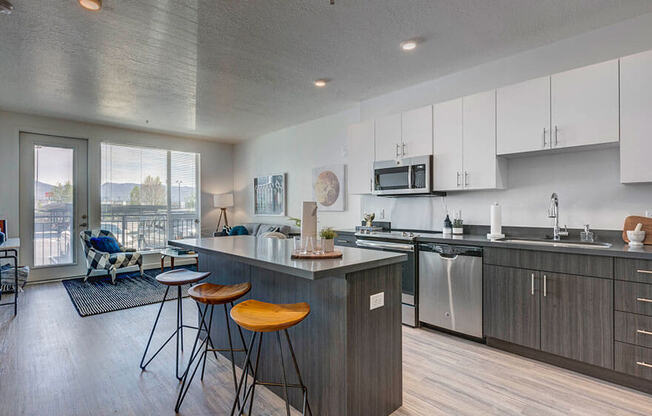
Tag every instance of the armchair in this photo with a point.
(99, 260)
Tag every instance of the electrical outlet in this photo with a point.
(376, 301)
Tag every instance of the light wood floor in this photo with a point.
(52, 362)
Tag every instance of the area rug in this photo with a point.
(97, 295)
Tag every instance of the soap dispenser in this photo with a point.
(586, 235)
(448, 226)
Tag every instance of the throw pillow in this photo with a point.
(239, 230)
(105, 244)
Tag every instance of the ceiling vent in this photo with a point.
(6, 7)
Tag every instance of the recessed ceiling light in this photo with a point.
(409, 45)
(321, 82)
(6, 7)
(93, 5)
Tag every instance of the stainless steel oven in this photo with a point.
(409, 273)
(411, 175)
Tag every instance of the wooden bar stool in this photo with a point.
(261, 317)
(210, 295)
(178, 278)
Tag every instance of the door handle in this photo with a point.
(532, 285)
(458, 178)
(556, 141)
(403, 149)
(466, 178)
(644, 332)
(544, 137)
(545, 285)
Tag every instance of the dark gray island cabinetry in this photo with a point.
(350, 355)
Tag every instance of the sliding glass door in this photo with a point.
(53, 205)
(149, 195)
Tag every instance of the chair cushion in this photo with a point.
(124, 259)
(239, 230)
(105, 244)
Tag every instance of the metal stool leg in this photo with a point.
(228, 331)
(185, 385)
(152, 333)
(244, 374)
(285, 381)
(208, 342)
(180, 301)
(255, 375)
(306, 404)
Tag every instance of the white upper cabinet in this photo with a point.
(360, 156)
(636, 118)
(448, 138)
(388, 137)
(481, 170)
(417, 132)
(523, 117)
(405, 134)
(585, 106)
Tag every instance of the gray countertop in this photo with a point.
(618, 249)
(274, 254)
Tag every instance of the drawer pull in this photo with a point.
(644, 332)
(644, 300)
(643, 364)
(644, 271)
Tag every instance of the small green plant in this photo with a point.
(327, 233)
(458, 223)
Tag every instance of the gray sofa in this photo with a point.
(258, 229)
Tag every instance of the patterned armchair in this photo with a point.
(99, 260)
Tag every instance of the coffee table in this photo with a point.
(172, 254)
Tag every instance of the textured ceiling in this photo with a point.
(234, 69)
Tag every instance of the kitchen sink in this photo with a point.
(553, 243)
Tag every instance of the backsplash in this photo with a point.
(588, 184)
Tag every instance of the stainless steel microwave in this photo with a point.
(412, 175)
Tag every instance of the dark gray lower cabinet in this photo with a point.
(577, 318)
(511, 305)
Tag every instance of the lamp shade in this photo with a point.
(223, 200)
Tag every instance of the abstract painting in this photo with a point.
(269, 195)
(328, 187)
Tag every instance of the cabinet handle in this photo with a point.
(466, 178)
(643, 364)
(403, 149)
(458, 178)
(644, 300)
(371, 184)
(556, 141)
(545, 285)
(544, 137)
(644, 271)
(532, 285)
(397, 150)
(644, 332)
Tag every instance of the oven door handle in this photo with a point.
(385, 245)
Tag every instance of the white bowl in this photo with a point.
(636, 238)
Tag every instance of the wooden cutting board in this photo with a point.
(630, 224)
(332, 255)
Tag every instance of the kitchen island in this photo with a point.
(350, 356)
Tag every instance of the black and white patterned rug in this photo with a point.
(97, 295)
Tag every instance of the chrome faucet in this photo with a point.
(553, 212)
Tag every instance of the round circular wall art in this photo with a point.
(327, 188)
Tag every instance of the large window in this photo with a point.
(149, 195)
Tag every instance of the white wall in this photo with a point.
(588, 182)
(216, 161)
(295, 151)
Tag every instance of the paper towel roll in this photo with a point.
(309, 219)
(496, 220)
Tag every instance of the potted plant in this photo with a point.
(458, 226)
(328, 235)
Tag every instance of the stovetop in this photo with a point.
(389, 235)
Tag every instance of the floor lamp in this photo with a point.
(222, 201)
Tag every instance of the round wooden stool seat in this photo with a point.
(212, 294)
(178, 277)
(260, 316)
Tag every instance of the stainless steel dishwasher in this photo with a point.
(450, 287)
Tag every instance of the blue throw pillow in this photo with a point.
(105, 244)
(239, 230)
